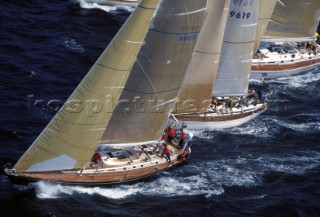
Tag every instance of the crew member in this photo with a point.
(97, 159)
(182, 137)
(170, 136)
(166, 151)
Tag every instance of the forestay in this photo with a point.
(236, 56)
(197, 86)
(293, 19)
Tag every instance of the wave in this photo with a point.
(110, 9)
(300, 80)
(307, 127)
(201, 178)
(165, 186)
(73, 45)
(260, 127)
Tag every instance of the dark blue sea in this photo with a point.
(267, 167)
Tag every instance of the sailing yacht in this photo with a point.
(110, 129)
(131, 3)
(285, 48)
(224, 55)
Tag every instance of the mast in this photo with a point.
(235, 62)
(131, 60)
(195, 94)
(293, 20)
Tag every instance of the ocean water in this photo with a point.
(267, 167)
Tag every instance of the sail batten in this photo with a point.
(293, 19)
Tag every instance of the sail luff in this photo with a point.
(265, 11)
(195, 94)
(236, 56)
(293, 19)
(155, 80)
(71, 137)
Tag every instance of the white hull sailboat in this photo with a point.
(281, 53)
(103, 134)
(274, 64)
(224, 54)
(221, 119)
(131, 3)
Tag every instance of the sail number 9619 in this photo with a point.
(240, 15)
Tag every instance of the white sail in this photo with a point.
(195, 94)
(265, 11)
(235, 61)
(293, 19)
(71, 138)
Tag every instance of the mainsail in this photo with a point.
(265, 12)
(195, 93)
(235, 61)
(293, 20)
(196, 90)
(130, 65)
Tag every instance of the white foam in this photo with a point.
(73, 45)
(308, 127)
(165, 186)
(298, 81)
(205, 178)
(260, 127)
(109, 9)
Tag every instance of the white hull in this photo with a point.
(213, 123)
(274, 64)
(267, 75)
(131, 3)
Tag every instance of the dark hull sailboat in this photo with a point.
(128, 167)
(102, 135)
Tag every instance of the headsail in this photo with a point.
(293, 19)
(265, 11)
(235, 61)
(72, 136)
(195, 93)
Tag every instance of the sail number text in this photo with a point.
(240, 15)
(188, 37)
(243, 2)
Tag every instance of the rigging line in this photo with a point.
(144, 72)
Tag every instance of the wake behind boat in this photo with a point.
(102, 135)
